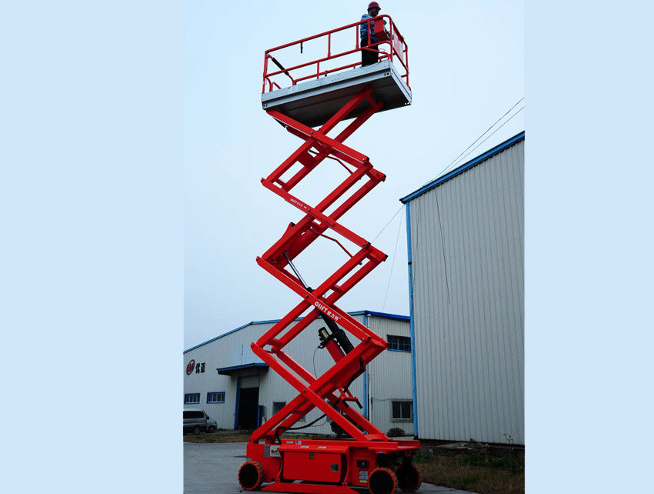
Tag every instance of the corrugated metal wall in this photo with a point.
(389, 377)
(234, 349)
(467, 247)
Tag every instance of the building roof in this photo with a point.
(228, 371)
(466, 166)
(252, 323)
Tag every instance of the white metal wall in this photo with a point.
(234, 349)
(468, 302)
(389, 377)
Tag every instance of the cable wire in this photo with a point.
(495, 131)
(397, 240)
(325, 155)
(389, 222)
(482, 135)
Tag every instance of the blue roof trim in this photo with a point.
(412, 327)
(388, 316)
(466, 166)
(252, 323)
(253, 365)
(218, 337)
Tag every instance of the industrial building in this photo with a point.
(465, 234)
(226, 379)
(454, 370)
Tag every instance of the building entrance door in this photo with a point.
(248, 403)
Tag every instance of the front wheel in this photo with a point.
(408, 478)
(250, 476)
(382, 481)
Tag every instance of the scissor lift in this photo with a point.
(325, 98)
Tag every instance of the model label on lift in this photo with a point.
(299, 204)
(325, 309)
(363, 476)
(274, 451)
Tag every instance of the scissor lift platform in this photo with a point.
(314, 102)
(311, 108)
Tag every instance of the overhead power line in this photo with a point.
(490, 135)
(389, 222)
(463, 154)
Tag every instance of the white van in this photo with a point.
(195, 420)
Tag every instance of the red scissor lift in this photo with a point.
(321, 94)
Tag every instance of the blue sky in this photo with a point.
(466, 70)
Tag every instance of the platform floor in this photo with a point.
(314, 102)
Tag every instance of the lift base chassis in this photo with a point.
(329, 466)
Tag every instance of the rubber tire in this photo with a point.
(196, 430)
(408, 478)
(211, 429)
(250, 475)
(382, 481)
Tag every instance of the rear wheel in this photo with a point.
(382, 481)
(250, 476)
(408, 478)
(196, 430)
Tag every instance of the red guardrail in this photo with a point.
(391, 46)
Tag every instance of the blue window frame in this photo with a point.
(191, 398)
(216, 397)
(399, 343)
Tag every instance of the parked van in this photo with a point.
(195, 420)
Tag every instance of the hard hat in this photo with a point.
(373, 4)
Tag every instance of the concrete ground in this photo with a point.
(212, 468)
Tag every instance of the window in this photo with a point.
(216, 397)
(402, 410)
(192, 398)
(278, 405)
(399, 343)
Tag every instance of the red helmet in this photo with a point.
(373, 5)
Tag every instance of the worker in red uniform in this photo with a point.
(369, 56)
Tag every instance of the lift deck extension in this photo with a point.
(369, 459)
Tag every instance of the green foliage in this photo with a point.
(514, 465)
(423, 455)
(472, 471)
(395, 432)
(464, 482)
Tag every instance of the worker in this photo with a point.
(369, 56)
